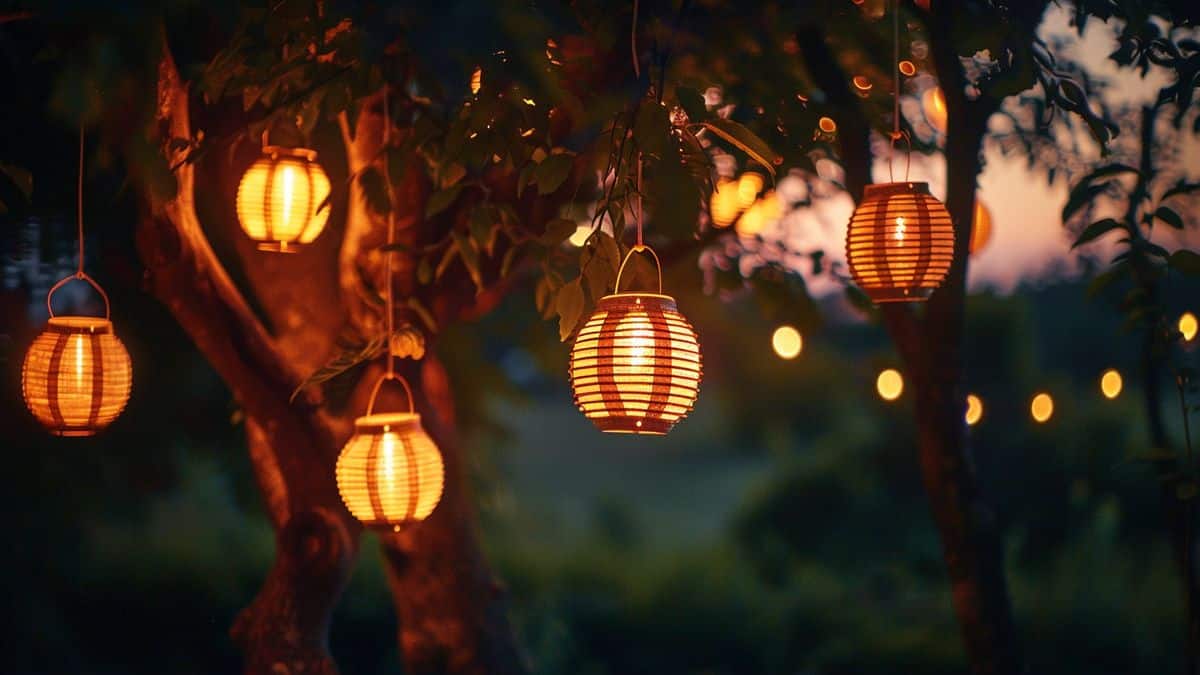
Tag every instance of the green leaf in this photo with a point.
(343, 361)
(551, 173)
(569, 305)
(1168, 216)
(441, 199)
(424, 314)
(746, 141)
(692, 103)
(1096, 229)
(557, 231)
(1081, 195)
(1185, 261)
(470, 258)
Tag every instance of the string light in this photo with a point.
(1188, 326)
(974, 409)
(1041, 407)
(1111, 383)
(889, 384)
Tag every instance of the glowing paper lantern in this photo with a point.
(77, 376)
(1188, 326)
(974, 409)
(1111, 384)
(724, 203)
(748, 186)
(900, 242)
(981, 227)
(889, 384)
(1041, 407)
(390, 472)
(787, 342)
(635, 366)
(281, 201)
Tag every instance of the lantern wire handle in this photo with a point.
(79, 273)
(412, 409)
(640, 248)
(639, 200)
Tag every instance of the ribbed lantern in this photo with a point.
(281, 199)
(390, 472)
(635, 365)
(77, 376)
(900, 242)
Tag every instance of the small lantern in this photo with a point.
(390, 472)
(281, 199)
(77, 376)
(635, 365)
(900, 242)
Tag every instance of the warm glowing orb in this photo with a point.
(1111, 383)
(908, 68)
(981, 227)
(787, 342)
(748, 187)
(974, 409)
(889, 384)
(933, 102)
(1042, 407)
(827, 125)
(723, 207)
(1188, 326)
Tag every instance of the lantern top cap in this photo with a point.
(280, 151)
(79, 324)
(877, 190)
(392, 421)
(629, 299)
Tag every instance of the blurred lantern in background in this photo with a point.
(635, 366)
(974, 409)
(390, 472)
(933, 103)
(761, 212)
(1041, 407)
(1111, 383)
(889, 384)
(900, 242)
(981, 227)
(281, 200)
(723, 207)
(1188, 326)
(748, 187)
(787, 342)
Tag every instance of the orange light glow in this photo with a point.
(1041, 407)
(933, 102)
(476, 80)
(748, 187)
(861, 83)
(723, 206)
(889, 384)
(761, 212)
(281, 199)
(974, 409)
(1111, 383)
(981, 227)
(390, 472)
(76, 376)
(899, 243)
(907, 68)
(1188, 326)
(827, 125)
(787, 342)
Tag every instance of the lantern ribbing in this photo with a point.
(900, 242)
(281, 199)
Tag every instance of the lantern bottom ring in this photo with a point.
(279, 247)
(908, 294)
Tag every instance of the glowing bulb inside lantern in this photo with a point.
(78, 340)
(787, 342)
(1188, 325)
(387, 468)
(974, 409)
(900, 228)
(1042, 407)
(635, 341)
(1111, 383)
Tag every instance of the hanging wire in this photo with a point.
(79, 204)
(637, 70)
(897, 134)
(391, 239)
(640, 244)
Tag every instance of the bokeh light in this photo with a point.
(827, 125)
(907, 68)
(981, 227)
(1188, 326)
(748, 187)
(1042, 407)
(889, 384)
(861, 83)
(723, 207)
(476, 80)
(787, 342)
(582, 232)
(1111, 383)
(974, 409)
(933, 102)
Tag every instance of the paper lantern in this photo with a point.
(281, 199)
(635, 365)
(981, 227)
(390, 472)
(900, 242)
(77, 376)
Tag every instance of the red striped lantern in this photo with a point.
(77, 376)
(635, 366)
(390, 472)
(900, 242)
